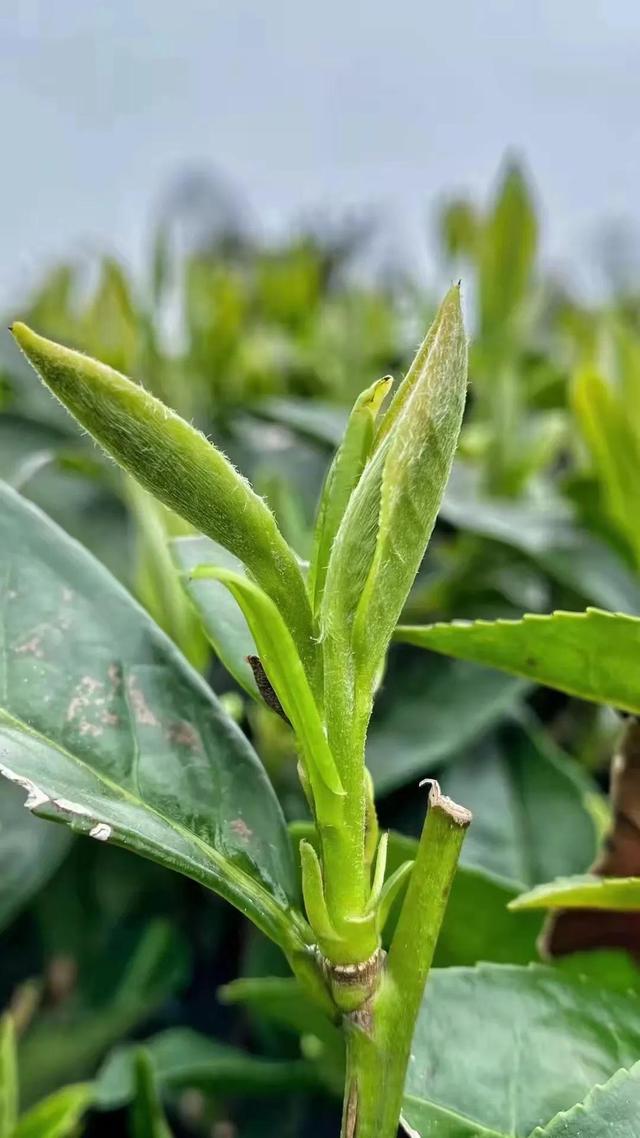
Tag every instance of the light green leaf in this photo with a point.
(8, 1078)
(57, 1116)
(221, 616)
(284, 670)
(182, 1058)
(612, 1109)
(179, 466)
(529, 1042)
(147, 1115)
(30, 852)
(110, 730)
(592, 655)
(390, 516)
(342, 478)
(619, 894)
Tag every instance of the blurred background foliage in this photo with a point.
(264, 345)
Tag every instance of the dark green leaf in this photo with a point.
(499, 1050)
(110, 730)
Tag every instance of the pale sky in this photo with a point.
(304, 105)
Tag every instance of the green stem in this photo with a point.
(379, 1035)
(346, 872)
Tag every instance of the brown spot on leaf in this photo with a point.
(184, 735)
(31, 647)
(143, 713)
(241, 830)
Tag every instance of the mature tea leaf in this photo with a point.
(497, 1023)
(109, 729)
(592, 654)
(178, 465)
(612, 1109)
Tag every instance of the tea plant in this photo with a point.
(319, 652)
(109, 729)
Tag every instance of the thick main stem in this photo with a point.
(379, 1035)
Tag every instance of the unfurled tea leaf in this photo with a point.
(179, 466)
